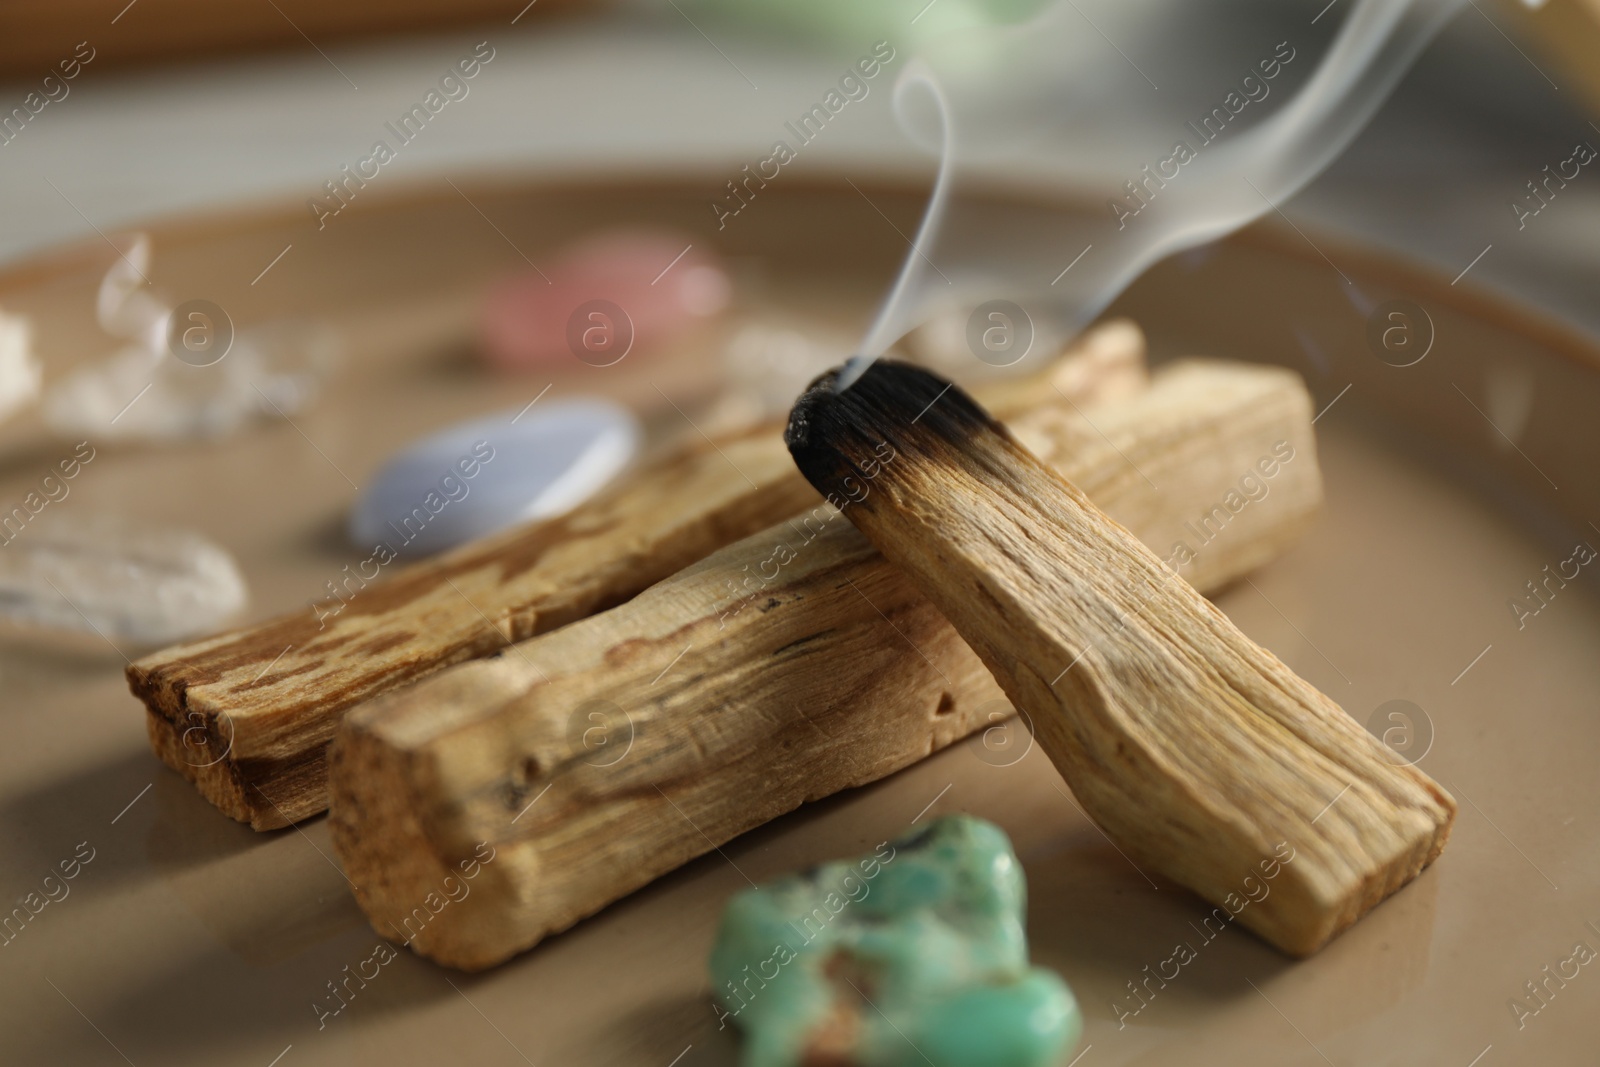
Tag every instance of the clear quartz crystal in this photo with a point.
(129, 583)
(19, 370)
(144, 392)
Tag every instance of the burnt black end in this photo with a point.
(894, 413)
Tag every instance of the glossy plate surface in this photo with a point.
(1451, 483)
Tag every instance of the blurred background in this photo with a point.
(193, 107)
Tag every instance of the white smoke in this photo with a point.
(1056, 110)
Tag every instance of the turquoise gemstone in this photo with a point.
(913, 954)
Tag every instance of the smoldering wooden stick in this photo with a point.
(1197, 750)
(784, 668)
(247, 715)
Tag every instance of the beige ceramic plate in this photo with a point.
(188, 939)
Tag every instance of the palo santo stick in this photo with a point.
(722, 708)
(246, 716)
(1197, 750)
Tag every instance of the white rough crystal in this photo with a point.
(19, 369)
(126, 582)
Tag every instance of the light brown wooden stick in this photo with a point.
(247, 715)
(598, 757)
(1198, 751)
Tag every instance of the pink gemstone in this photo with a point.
(603, 298)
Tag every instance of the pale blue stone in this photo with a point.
(550, 459)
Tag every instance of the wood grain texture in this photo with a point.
(1199, 752)
(593, 759)
(247, 715)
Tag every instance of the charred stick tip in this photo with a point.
(835, 434)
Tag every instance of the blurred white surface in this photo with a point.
(570, 96)
(1432, 180)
